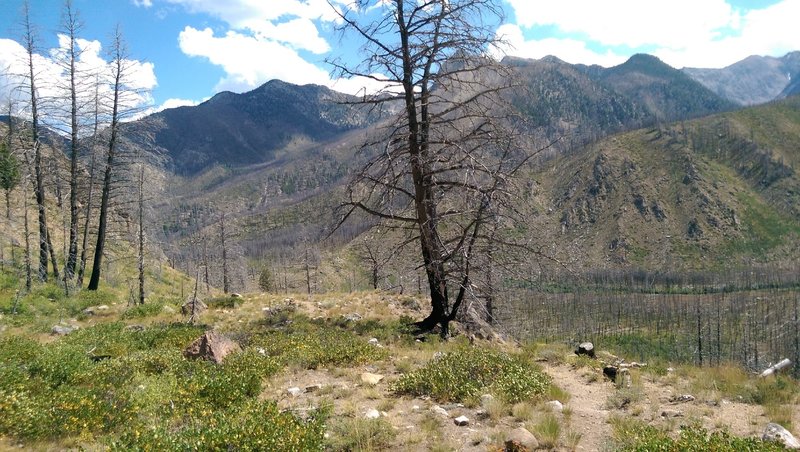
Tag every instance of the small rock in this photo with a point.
(684, 398)
(585, 348)
(555, 405)
(370, 378)
(520, 438)
(461, 421)
(62, 330)
(236, 295)
(774, 432)
(610, 372)
(372, 414)
(415, 407)
(261, 351)
(671, 413)
(486, 399)
(481, 414)
(294, 392)
(436, 409)
(313, 388)
(373, 341)
(670, 369)
(93, 310)
(353, 317)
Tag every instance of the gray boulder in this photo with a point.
(774, 432)
(521, 439)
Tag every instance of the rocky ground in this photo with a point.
(579, 415)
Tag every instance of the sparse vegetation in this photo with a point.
(634, 435)
(468, 372)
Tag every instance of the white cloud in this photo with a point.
(52, 81)
(708, 33)
(570, 50)
(634, 23)
(143, 3)
(249, 62)
(175, 103)
(299, 33)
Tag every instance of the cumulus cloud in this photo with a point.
(711, 33)
(234, 52)
(570, 50)
(52, 79)
(266, 40)
(247, 60)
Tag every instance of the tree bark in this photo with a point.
(90, 195)
(72, 26)
(225, 281)
(94, 280)
(141, 234)
(30, 48)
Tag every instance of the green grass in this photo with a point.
(467, 373)
(143, 393)
(633, 435)
(764, 229)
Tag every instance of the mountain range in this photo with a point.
(657, 166)
(754, 80)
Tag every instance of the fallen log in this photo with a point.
(772, 369)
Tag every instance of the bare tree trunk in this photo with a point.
(72, 26)
(90, 195)
(28, 275)
(205, 266)
(225, 283)
(141, 234)
(30, 48)
(119, 57)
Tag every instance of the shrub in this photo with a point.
(225, 302)
(634, 435)
(547, 431)
(361, 434)
(255, 425)
(149, 309)
(311, 345)
(468, 372)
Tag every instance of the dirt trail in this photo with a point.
(587, 402)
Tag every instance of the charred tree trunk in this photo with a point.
(225, 279)
(94, 280)
(141, 235)
(30, 48)
(72, 27)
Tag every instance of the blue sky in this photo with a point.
(191, 49)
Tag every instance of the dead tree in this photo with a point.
(121, 91)
(442, 168)
(29, 40)
(93, 142)
(71, 27)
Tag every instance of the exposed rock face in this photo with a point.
(211, 346)
(774, 432)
